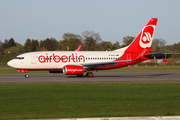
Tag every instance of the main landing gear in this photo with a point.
(89, 74)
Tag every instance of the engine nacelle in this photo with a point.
(73, 70)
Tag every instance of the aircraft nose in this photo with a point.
(10, 63)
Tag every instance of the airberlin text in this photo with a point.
(64, 58)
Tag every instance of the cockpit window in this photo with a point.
(20, 58)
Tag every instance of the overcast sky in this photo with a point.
(112, 19)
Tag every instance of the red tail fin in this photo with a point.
(144, 40)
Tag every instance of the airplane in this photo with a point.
(78, 62)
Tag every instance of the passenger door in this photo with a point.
(33, 59)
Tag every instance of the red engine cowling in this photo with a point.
(73, 70)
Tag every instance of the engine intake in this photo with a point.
(73, 70)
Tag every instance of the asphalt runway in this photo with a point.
(98, 77)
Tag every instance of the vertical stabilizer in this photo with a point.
(144, 39)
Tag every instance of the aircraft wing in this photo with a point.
(111, 63)
(103, 64)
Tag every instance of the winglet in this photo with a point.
(79, 48)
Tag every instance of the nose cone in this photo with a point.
(10, 63)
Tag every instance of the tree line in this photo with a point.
(90, 40)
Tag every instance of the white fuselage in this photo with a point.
(58, 59)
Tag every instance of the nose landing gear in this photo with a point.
(26, 75)
(24, 71)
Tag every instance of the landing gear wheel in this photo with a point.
(90, 74)
(26, 75)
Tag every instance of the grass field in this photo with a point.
(76, 100)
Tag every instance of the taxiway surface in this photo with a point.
(98, 77)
